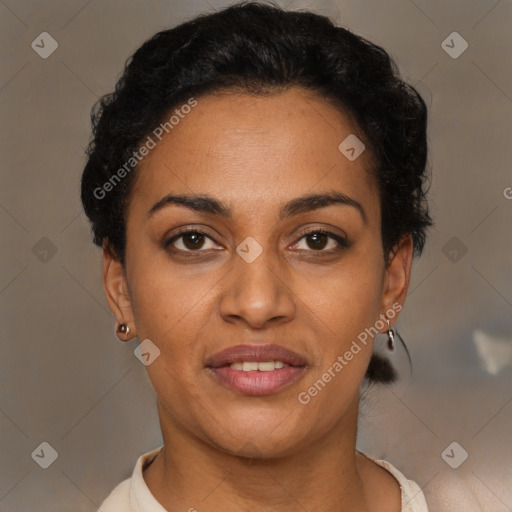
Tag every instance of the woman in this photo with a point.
(256, 182)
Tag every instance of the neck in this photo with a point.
(191, 473)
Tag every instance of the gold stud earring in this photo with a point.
(123, 329)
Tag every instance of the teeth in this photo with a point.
(264, 366)
(267, 366)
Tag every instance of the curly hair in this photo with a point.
(263, 49)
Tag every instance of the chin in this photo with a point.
(265, 435)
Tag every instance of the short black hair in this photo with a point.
(262, 49)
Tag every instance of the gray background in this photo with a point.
(65, 378)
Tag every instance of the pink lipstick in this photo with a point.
(256, 369)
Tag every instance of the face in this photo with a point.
(257, 266)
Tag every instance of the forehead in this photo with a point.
(248, 149)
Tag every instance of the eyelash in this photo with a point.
(344, 244)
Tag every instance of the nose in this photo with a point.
(258, 293)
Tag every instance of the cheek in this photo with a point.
(348, 300)
(342, 309)
(172, 312)
(165, 303)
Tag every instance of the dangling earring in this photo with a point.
(123, 329)
(391, 336)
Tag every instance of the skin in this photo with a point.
(255, 153)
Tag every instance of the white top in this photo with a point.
(133, 495)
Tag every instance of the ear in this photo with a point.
(116, 291)
(397, 275)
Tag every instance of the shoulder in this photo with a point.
(412, 497)
(132, 494)
(118, 499)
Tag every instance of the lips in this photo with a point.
(257, 353)
(266, 369)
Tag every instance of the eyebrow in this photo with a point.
(207, 204)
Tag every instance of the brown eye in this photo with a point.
(193, 240)
(190, 241)
(318, 241)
